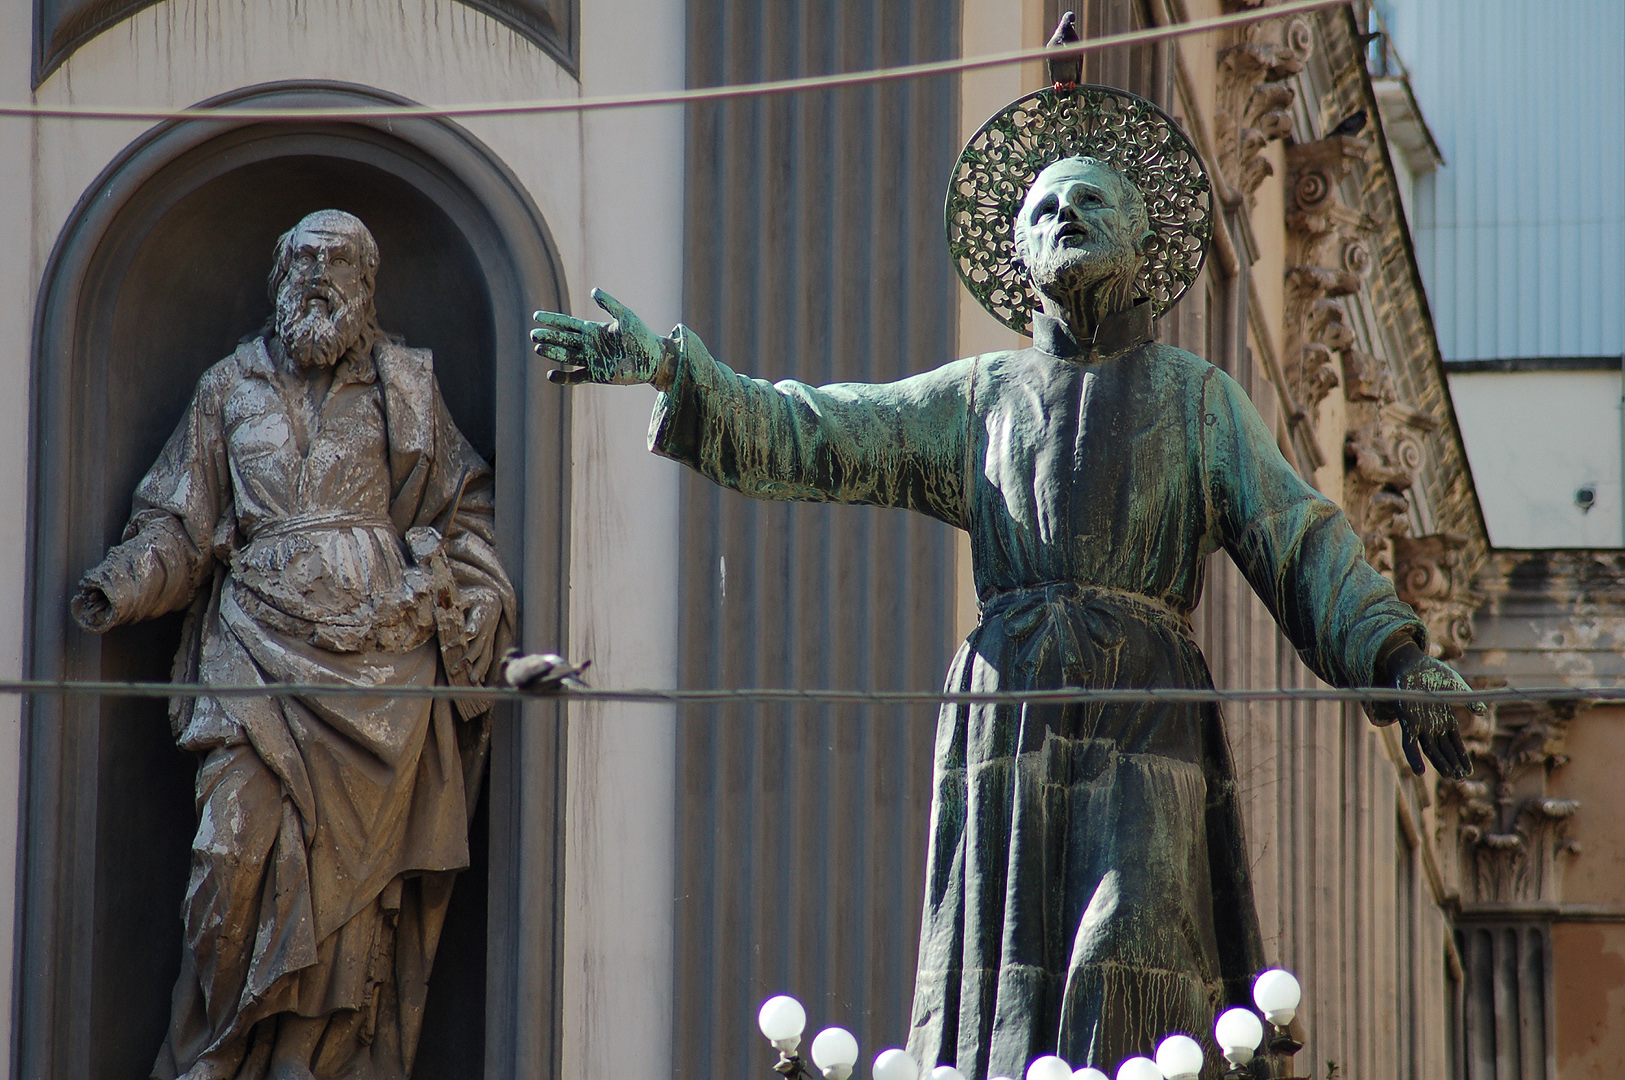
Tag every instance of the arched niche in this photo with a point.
(61, 26)
(158, 273)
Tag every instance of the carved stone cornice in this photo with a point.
(1393, 367)
(1510, 832)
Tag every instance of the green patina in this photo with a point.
(1087, 883)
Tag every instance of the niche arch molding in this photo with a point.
(472, 255)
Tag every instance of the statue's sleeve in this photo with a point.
(1294, 545)
(899, 444)
(181, 511)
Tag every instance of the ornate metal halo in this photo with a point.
(1127, 132)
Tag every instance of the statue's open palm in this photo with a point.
(1426, 727)
(623, 350)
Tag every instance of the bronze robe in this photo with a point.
(1087, 890)
(330, 829)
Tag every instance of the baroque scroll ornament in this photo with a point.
(1116, 128)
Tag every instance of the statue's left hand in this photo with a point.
(623, 350)
(1426, 727)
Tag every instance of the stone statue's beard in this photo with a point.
(312, 335)
(1069, 276)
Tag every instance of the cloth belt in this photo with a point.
(1018, 606)
(301, 523)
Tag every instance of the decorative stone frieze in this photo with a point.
(1511, 834)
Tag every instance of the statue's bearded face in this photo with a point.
(325, 297)
(1082, 224)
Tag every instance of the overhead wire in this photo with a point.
(1069, 695)
(690, 95)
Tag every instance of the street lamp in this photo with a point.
(1139, 1068)
(835, 1051)
(1049, 1067)
(1238, 1032)
(1180, 1057)
(1277, 994)
(896, 1065)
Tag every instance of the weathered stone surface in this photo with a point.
(321, 519)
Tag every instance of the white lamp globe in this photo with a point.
(1139, 1068)
(946, 1072)
(896, 1065)
(1238, 1033)
(1049, 1067)
(1180, 1057)
(782, 1018)
(1277, 995)
(1089, 1072)
(835, 1048)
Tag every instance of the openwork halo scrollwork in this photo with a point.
(1117, 128)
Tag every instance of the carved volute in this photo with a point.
(1431, 576)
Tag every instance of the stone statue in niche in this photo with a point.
(321, 519)
(1087, 883)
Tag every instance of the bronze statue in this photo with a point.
(1087, 883)
(322, 520)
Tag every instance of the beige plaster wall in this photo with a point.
(1589, 993)
(609, 186)
(1595, 745)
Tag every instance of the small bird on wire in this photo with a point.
(542, 673)
(1352, 124)
(1066, 70)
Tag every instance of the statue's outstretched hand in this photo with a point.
(1426, 727)
(622, 350)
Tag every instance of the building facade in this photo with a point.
(1518, 235)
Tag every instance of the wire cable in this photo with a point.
(668, 97)
(1592, 695)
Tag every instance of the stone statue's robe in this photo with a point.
(1087, 887)
(329, 828)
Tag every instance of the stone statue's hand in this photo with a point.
(622, 350)
(1426, 727)
(91, 607)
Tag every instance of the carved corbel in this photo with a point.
(1320, 332)
(1390, 452)
(1315, 168)
(1255, 102)
(1382, 459)
(1510, 832)
(1366, 378)
(1431, 575)
(1326, 259)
